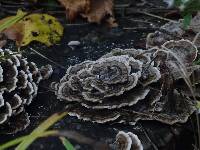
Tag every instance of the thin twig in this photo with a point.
(196, 37)
(38, 53)
(140, 21)
(122, 5)
(147, 136)
(140, 28)
(156, 16)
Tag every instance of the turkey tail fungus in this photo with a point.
(125, 86)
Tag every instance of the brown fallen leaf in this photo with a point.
(14, 32)
(101, 9)
(3, 40)
(95, 11)
(75, 7)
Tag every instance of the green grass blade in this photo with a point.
(12, 143)
(39, 130)
(22, 138)
(11, 21)
(67, 144)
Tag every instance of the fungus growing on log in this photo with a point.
(19, 81)
(125, 86)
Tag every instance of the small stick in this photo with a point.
(140, 28)
(156, 16)
(147, 136)
(196, 37)
(38, 53)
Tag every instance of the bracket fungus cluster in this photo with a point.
(125, 86)
(19, 81)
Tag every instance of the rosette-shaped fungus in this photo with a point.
(19, 81)
(128, 85)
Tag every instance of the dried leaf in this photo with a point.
(10, 29)
(101, 9)
(15, 32)
(75, 7)
(3, 40)
(9, 21)
(95, 11)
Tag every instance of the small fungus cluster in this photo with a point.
(127, 141)
(175, 31)
(19, 81)
(125, 86)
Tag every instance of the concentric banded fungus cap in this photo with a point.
(18, 86)
(177, 57)
(169, 31)
(100, 79)
(125, 86)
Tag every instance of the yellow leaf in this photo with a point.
(42, 28)
(34, 27)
